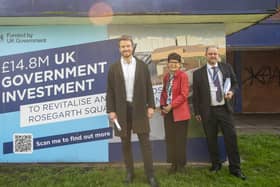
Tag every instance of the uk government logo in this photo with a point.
(21, 38)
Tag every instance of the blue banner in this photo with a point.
(53, 98)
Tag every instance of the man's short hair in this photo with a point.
(127, 38)
(174, 56)
(210, 46)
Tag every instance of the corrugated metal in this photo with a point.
(260, 35)
(80, 8)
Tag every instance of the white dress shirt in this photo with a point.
(129, 77)
(212, 87)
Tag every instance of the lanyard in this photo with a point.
(169, 89)
(169, 85)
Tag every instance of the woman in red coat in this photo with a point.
(175, 109)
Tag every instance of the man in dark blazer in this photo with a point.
(213, 107)
(130, 101)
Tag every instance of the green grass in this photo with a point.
(260, 156)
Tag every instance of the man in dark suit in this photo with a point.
(212, 106)
(130, 100)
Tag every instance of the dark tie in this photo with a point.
(216, 82)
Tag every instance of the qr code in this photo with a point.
(23, 143)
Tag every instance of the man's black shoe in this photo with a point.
(153, 182)
(239, 174)
(216, 167)
(129, 178)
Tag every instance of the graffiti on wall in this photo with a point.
(263, 75)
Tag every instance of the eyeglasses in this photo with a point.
(210, 54)
(173, 62)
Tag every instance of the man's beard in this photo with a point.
(213, 61)
(126, 54)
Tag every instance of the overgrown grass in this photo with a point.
(260, 162)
